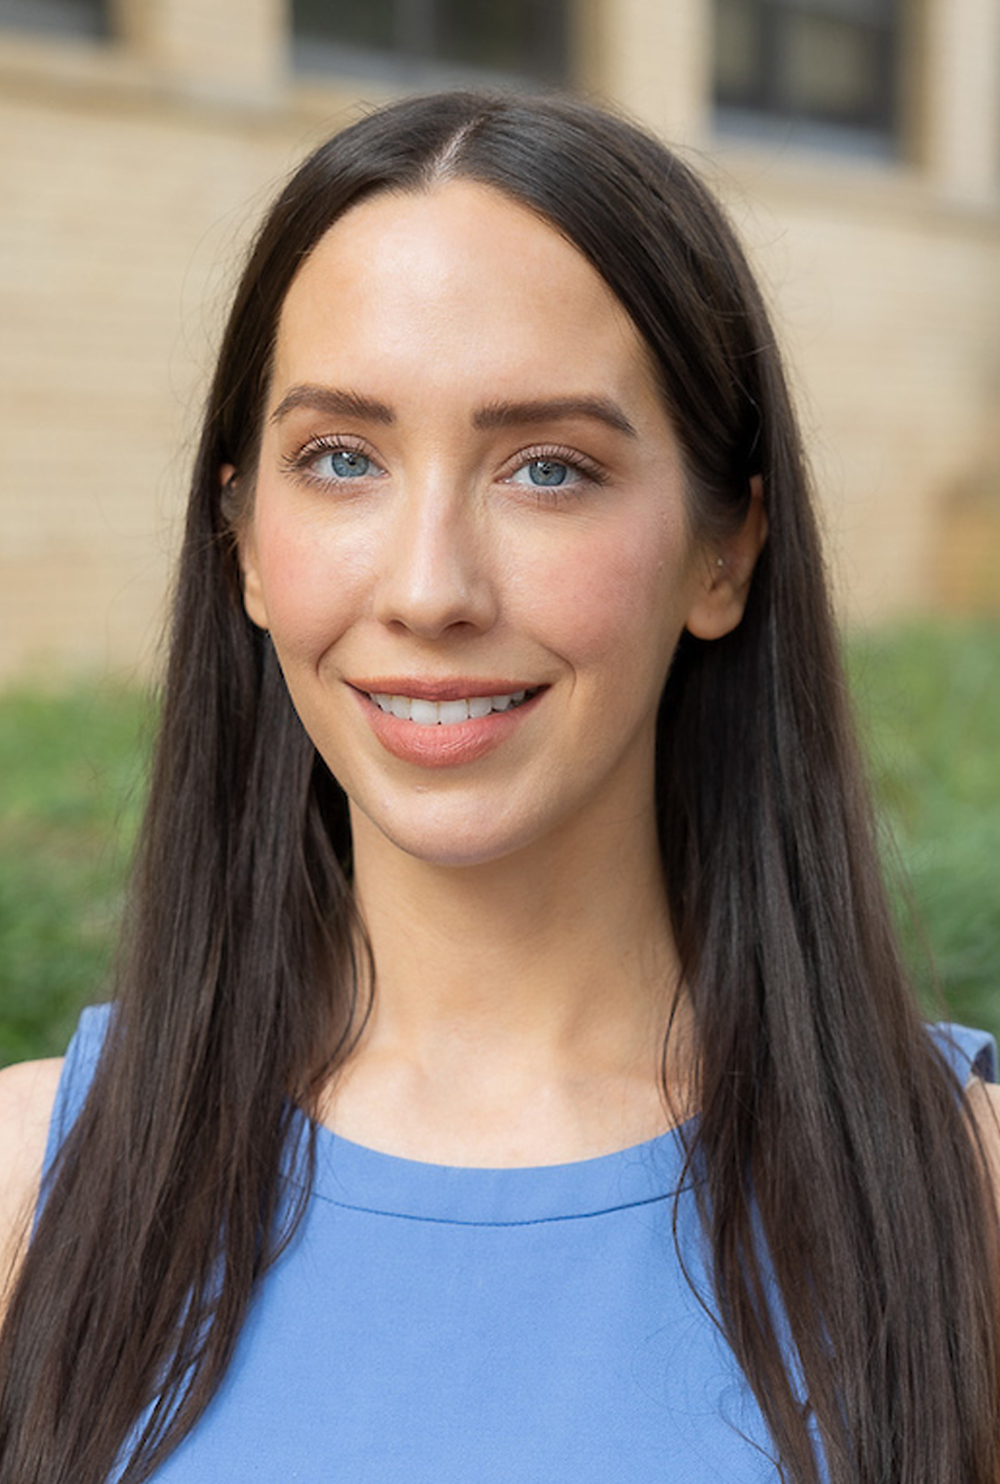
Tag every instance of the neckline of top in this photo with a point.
(353, 1175)
(365, 1179)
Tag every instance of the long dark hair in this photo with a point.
(831, 1150)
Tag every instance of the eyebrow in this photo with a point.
(341, 403)
(336, 403)
(507, 414)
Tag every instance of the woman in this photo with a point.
(506, 821)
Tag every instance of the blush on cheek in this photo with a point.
(311, 592)
(615, 595)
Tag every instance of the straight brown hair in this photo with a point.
(841, 1190)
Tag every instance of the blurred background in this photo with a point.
(857, 145)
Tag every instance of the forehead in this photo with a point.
(454, 283)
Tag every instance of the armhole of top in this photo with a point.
(78, 1069)
(968, 1053)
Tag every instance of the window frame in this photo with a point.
(766, 114)
(89, 20)
(415, 58)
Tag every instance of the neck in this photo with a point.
(537, 945)
(520, 1004)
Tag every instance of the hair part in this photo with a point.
(841, 1194)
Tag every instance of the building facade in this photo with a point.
(856, 142)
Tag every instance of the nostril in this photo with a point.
(432, 602)
(437, 573)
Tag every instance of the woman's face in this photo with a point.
(468, 538)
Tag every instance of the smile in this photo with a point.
(426, 713)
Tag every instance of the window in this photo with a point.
(815, 64)
(70, 17)
(430, 40)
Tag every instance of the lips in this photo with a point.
(446, 724)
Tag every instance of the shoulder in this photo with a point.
(983, 1100)
(27, 1096)
(972, 1057)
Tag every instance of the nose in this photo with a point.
(436, 571)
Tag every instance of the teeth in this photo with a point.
(424, 713)
(445, 713)
(448, 712)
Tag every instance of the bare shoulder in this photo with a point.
(984, 1105)
(27, 1093)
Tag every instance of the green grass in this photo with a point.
(929, 701)
(71, 768)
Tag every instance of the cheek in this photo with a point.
(622, 591)
(312, 593)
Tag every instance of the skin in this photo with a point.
(514, 902)
(447, 561)
(27, 1092)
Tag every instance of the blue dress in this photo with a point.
(439, 1325)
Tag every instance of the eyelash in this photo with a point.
(588, 470)
(300, 463)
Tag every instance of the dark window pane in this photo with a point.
(865, 12)
(813, 61)
(356, 22)
(525, 37)
(830, 69)
(415, 28)
(504, 35)
(739, 52)
(70, 17)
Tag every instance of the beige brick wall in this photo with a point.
(123, 214)
(889, 304)
(130, 177)
(884, 278)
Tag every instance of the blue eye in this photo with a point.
(345, 463)
(546, 473)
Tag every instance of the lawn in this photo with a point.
(928, 700)
(71, 784)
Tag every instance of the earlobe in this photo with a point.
(729, 567)
(246, 551)
(253, 593)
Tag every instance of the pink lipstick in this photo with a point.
(443, 724)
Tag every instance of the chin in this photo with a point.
(453, 843)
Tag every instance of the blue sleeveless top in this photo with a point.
(439, 1325)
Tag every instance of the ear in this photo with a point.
(728, 567)
(246, 551)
